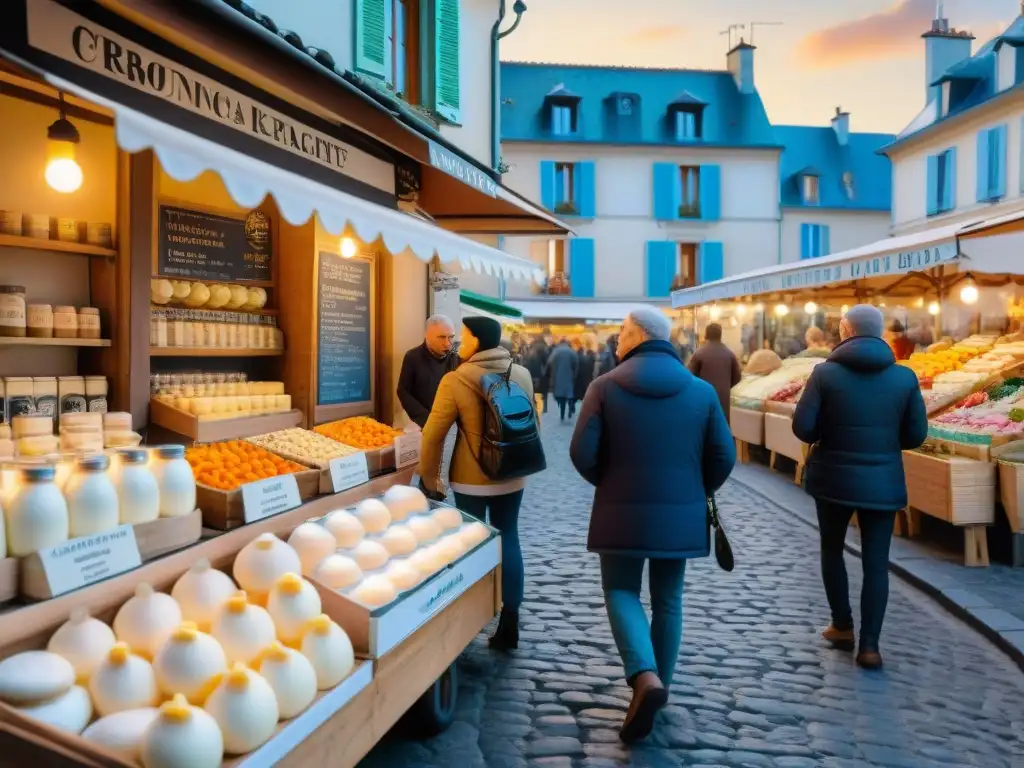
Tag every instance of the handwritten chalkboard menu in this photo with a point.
(203, 246)
(343, 311)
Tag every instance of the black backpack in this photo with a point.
(511, 445)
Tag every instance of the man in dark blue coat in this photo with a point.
(653, 440)
(859, 411)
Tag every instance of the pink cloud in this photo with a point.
(659, 34)
(894, 32)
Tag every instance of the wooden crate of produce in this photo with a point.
(958, 490)
(747, 425)
(1011, 492)
(225, 510)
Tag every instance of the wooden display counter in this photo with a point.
(780, 440)
(748, 428)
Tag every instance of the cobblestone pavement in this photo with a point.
(755, 686)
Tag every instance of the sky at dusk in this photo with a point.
(864, 55)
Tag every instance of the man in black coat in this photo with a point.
(424, 366)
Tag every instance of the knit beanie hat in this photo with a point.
(866, 320)
(486, 331)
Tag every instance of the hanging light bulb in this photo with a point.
(810, 308)
(741, 310)
(969, 294)
(933, 308)
(716, 312)
(781, 310)
(348, 247)
(759, 307)
(62, 171)
(844, 309)
(919, 302)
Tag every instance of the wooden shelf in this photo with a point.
(212, 430)
(178, 305)
(28, 341)
(204, 352)
(58, 246)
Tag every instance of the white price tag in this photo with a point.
(349, 471)
(407, 449)
(83, 561)
(269, 496)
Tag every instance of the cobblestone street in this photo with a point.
(755, 687)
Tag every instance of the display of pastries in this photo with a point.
(303, 446)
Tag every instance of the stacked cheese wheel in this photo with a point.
(303, 446)
(182, 679)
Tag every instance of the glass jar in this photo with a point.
(40, 321)
(175, 480)
(252, 332)
(37, 515)
(157, 328)
(91, 497)
(88, 323)
(65, 322)
(138, 495)
(195, 323)
(12, 310)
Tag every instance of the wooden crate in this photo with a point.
(747, 425)
(779, 437)
(1011, 493)
(955, 489)
(154, 539)
(223, 510)
(213, 430)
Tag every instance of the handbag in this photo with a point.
(723, 549)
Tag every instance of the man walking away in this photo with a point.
(608, 356)
(586, 363)
(653, 441)
(424, 366)
(536, 362)
(859, 410)
(562, 367)
(717, 365)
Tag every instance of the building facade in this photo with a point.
(672, 178)
(960, 159)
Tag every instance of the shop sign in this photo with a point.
(343, 314)
(83, 561)
(270, 496)
(811, 276)
(203, 246)
(349, 471)
(58, 31)
(462, 170)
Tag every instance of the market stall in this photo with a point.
(199, 325)
(953, 315)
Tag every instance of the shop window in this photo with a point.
(689, 192)
(563, 119)
(687, 125)
(810, 189)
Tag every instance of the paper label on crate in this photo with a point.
(349, 471)
(269, 496)
(407, 449)
(83, 561)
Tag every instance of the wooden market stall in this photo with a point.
(198, 354)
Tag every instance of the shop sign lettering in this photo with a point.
(462, 170)
(79, 562)
(63, 33)
(269, 496)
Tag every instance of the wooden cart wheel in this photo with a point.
(435, 709)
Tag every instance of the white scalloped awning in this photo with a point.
(184, 156)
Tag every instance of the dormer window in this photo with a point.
(809, 189)
(562, 107)
(620, 116)
(624, 106)
(685, 118)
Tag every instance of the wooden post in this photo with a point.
(976, 546)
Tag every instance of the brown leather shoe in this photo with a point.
(838, 638)
(649, 695)
(868, 659)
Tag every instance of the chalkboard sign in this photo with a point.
(203, 246)
(343, 311)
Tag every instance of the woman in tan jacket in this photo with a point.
(460, 401)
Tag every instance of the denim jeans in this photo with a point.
(563, 403)
(643, 646)
(505, 517)
(876, 535)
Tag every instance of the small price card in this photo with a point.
(349, 471)
(407, 449)
(83, 561)
(269, 496)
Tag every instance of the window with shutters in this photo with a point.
(689, 192)
(404, 44)
(563, 119)
(686, 276)
(557, 283)
(565, 188)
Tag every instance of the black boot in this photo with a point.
(506, 636)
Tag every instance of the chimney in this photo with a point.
(943, 47)
(841, 125)
(740, 61)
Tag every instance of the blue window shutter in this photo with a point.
(983, 160)
(825, 240)
(661, 258)
(547, 184)
(581, 266)
(666, 206)
(710, 192)
(933, 192)
(805, 241)
(710, 262)
(585, 189)
(949, 194)
(373, 31)
(447, 98)
(999, 140)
